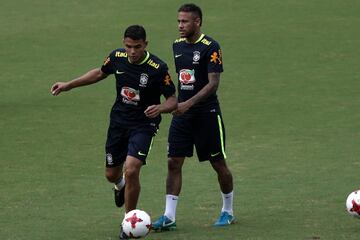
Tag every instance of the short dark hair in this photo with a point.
(135, 32)
(190, 7)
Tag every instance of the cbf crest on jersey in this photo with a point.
(196, 57)
(143, 80)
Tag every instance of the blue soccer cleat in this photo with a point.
(224, 220)
(164, 224)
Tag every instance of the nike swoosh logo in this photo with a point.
(167, 224)
(118, 72)
(141, 154)
(215, 154)
(178, 55)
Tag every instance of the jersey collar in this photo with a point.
(145, 59)
(200, 38)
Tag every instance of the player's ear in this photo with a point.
(146, 43)
(198, 21)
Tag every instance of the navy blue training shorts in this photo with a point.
(204, 130)
(123, 141)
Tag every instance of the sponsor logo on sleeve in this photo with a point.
(153, 64)
(206, 42)
(167, 80)
(216, 57)
(106, 61)
(120, 54)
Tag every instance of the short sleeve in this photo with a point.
(167, 87)
(107, 66)
(214, 58)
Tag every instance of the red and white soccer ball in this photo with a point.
(136, 224)
(353, 203)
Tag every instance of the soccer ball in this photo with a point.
(353, 203)
(136, 224)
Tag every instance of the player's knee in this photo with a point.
(131, 173)
(174, 165)
(112, 175)
(221, 168)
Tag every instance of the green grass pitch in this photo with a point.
(289, 96)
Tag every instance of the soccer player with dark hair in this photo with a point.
(141, 79)
(197, 120)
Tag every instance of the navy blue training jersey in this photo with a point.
(193, 62)
(138, 86)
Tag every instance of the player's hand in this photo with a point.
(58, 88)
(153, 111)
(181, 109)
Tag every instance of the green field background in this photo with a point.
(290, 97)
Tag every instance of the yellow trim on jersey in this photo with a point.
(153, 64)
(145, 59)
(221, 136)
(120, 54)
(205, 41)
(179, 40)
(201, 37)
